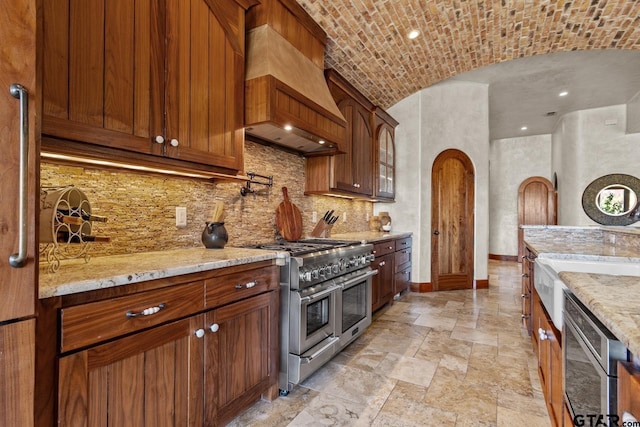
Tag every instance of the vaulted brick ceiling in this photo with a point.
(368, 43)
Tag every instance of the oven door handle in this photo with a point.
(358, 279)
(321, 294)
(309, 358)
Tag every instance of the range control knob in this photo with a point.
(315, 273)
(343, 264)
(371, 257)
(363, 259)
(335, 268)
(327, 270)
(305, 276)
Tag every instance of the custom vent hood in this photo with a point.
(287, 101)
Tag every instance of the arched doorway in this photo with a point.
(452, 221)
(536, 206)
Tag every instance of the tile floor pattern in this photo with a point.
(456, 358)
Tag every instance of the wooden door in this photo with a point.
(536, 206)
(104, 72)
(150, 378)
(205, 82)
(241, 356)
(17, 367)
(452, 221)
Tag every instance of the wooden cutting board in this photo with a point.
(288, 218)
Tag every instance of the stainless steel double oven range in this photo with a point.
(325, 303)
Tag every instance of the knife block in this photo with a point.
(322, 229)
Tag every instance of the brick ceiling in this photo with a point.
(369, 47)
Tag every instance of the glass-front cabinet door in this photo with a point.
(386, 165)
(385, 187)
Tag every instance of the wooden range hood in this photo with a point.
(285, 84)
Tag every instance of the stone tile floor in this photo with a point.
(456, 358)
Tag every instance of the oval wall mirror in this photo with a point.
(609, 199)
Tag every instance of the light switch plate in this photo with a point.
(181, 216)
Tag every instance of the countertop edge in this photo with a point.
(56, 284)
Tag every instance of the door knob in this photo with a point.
(436, 232)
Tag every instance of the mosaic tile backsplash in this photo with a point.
(141, 208)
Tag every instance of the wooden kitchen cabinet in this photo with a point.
(350, 173)
(384, 155)
(208, 352)
(382, 283)
(19, 61)
(151, 378)
(628, 389)
(549, 351)
(162, 79)
(241, 356)
(393, 262)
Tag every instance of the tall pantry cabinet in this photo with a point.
(19, 144)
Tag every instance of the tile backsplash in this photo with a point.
(141, 207)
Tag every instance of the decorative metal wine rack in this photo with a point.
(73, 203)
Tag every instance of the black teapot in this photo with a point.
(214, 235)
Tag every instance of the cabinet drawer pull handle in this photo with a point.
(214, 328)
(247, 285)
(19, 259)
(146, 312)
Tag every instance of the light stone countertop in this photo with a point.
(613, 300)
(371, 236)
(103, 272)
(560, 249)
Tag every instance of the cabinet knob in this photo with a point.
(199, 333)
(174, 142)
(356, 185)
(247, 285)
(381, 264)
(159, 139)
(390, 247)
(543, 334)
(214, 328)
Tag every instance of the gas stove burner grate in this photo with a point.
(302, 247)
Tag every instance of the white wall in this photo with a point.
(443, 116)
(590, 144)
(512, 160)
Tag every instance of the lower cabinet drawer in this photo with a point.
(87, 324)
(383, 248)
(402, 280)
(402, 257)
(403, 244)
(233, 287)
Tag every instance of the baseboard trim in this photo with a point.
(481, 284)
(421, 287)
(503, 257)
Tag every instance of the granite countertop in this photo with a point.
(371, 236)
(581, 249)
(103, 272)
(613, 300)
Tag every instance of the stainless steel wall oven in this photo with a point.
(591, 353)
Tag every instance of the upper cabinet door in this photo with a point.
(18, 65)
(162, 78)
(385, 188)
(103, 72)
(205, 82)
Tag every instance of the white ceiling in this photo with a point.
(523, 91)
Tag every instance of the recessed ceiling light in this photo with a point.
(523, 128)
(288, 127)
(321, 142)
(413, 34)
(563, 93)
